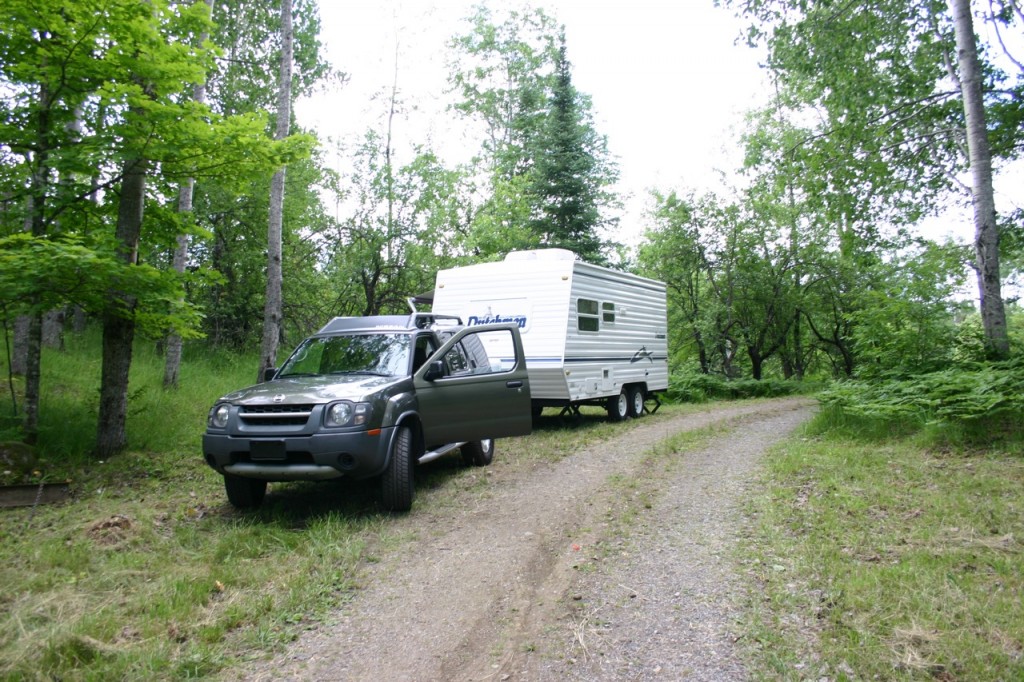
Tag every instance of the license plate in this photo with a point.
(267, 449)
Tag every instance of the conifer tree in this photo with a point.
(570, 172)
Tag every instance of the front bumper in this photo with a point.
(315, 457)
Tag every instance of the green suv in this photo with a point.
(370, 397)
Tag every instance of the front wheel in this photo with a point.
(244, 493)
(397, 480)
(618, 407)
(478, 453)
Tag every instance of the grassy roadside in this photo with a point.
(887, 558)
(148, 573)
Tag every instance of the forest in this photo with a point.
(156, 188)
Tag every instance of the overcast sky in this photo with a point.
(668, 82)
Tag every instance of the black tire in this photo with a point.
(478, 453)
(636, 402)
(244, 493)
(397, 488)
(618, 406)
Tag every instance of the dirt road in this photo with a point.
(608, 565)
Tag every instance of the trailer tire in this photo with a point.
(244, 493)
(636, 402)
(618, 406)
(478, 453)
(397, 482)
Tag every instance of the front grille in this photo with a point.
(275, 415)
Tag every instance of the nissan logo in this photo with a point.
(279, 398)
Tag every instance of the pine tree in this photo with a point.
(571, 171)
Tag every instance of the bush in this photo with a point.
(699, 388)
(972, 403)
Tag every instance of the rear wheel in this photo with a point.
(244, 493)
(397, 481)
(478, 453)
(636, 402)
(618, 406)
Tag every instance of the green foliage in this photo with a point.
(571, 172)
(130, 64)
(548, 170)
(39, 274)
(875, 89)
(401, 226)
(698, 388)
(978, 403)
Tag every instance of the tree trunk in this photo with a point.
(986, 231)
(172, 359)
(272, 310)
(20, 353)
(118, 319)
(53, 329)
(33, 377)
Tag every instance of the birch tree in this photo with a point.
(986, 230)
(172, 359)
(273, 304)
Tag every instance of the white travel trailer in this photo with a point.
(592, 335)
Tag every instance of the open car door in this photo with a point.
(465, 395)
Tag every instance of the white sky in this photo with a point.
(668, 82)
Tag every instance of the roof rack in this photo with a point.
(392, 322)
(424, 320)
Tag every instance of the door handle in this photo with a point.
(514, 384)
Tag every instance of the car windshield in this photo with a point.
(380, 354)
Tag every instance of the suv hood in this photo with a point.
(316, 389)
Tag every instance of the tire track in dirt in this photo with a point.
(666, 607)
(482, 595)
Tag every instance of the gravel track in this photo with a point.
(539, 580)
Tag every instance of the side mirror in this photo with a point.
(269, 373)
(435, 371)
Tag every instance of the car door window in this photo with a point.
(425, 347)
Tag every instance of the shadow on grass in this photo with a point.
(301, 503)
(298, 504)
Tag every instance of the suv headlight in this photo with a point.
(219, 414)
(345, 413)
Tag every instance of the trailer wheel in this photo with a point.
(244, 493)
(618, 406)
(636, 402)
(397, 481)
(478, 453)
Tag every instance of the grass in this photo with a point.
(148, 573)
(871, 554)
(876, 557)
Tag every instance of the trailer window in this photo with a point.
(587, 315)
(608, 312)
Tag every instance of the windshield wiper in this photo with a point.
(361, 371)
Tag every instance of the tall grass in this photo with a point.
(159, 420)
